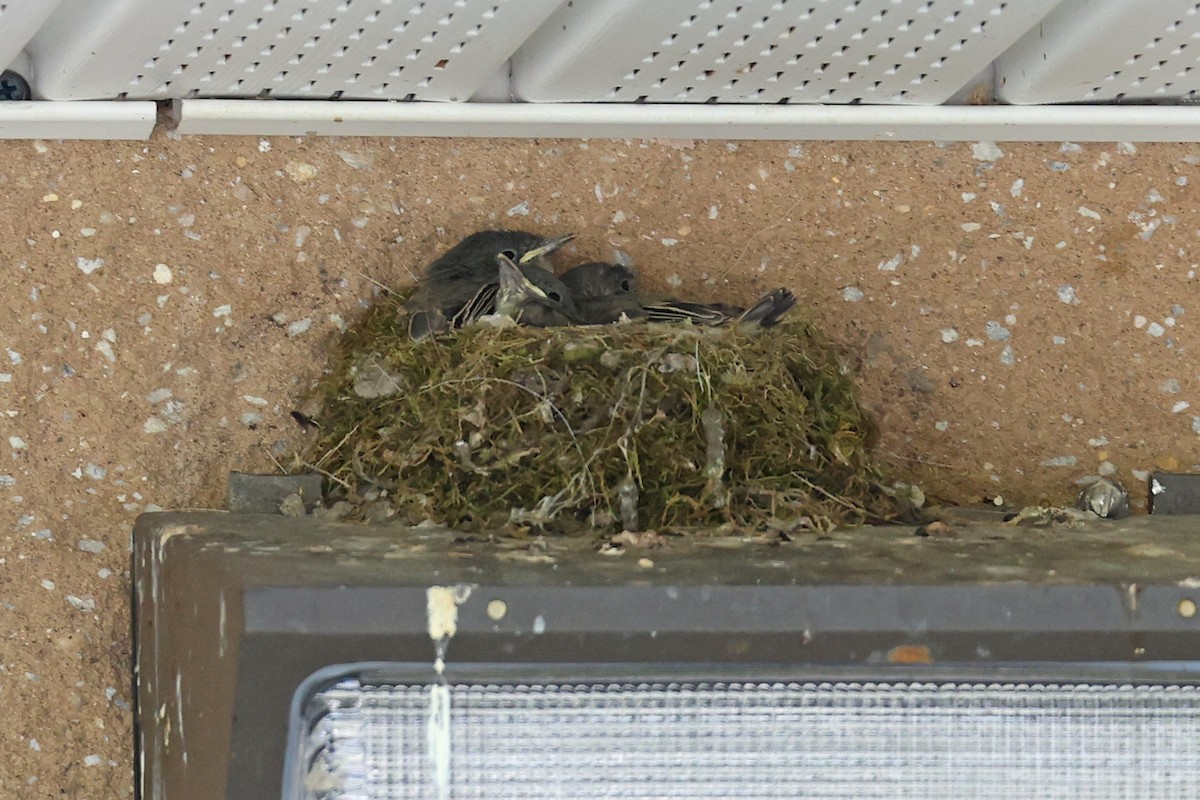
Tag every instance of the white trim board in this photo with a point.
(100, 119)
(620, 121)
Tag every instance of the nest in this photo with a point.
(632, 426)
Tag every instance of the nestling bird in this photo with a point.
(530, 298)
(769, 309)
(603, 292)
(460, 285)
(606, 292)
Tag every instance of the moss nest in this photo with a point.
(634, 426)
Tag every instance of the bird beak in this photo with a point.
(513, 282)
(547, 247)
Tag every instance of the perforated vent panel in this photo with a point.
(19, 21)
(918, 52)
(748, 740)
(1102, 50)
(786, 51)
(381, 49)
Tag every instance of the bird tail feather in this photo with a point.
(767, 311)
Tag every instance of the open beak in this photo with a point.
(547, 247)
(513, 282)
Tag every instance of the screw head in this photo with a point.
(13, 86)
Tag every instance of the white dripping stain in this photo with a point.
(179, 714)
(142, 764)
(143, 744)
(221, 625)
(158, 556)
(438, 738)
(166, 728)
(441, 609)
(1131, 598)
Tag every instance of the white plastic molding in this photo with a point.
(80, 120)
(366, 49)
(599, 121)
(19, 21)
(767, 51)
(1103, 50)
(731, 69)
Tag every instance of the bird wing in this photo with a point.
(482, 304)
(680, 311)
(767, 311)
(425, 323)
(602, 311)
(447, 270)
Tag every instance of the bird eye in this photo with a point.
(555, 297)
(626, 286)
(511, 255)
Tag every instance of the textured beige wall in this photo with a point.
(1023, 316)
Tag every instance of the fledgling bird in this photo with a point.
(603, 292)
(460, 285)
(765, 313)
(474, 257)
(540, 302)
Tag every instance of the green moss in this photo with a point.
(655, 426)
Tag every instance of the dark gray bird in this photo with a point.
(530, 298)
(460, 285)
(603, 292)
(769, 309)
(607, 292)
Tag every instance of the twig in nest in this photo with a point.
(540, 397)
(384, 287)
(271, 456)
(833, 497)
(329, 475)
(338, 446)
(703, 380)
(627, 497)
(713, 422)
(916, 459)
